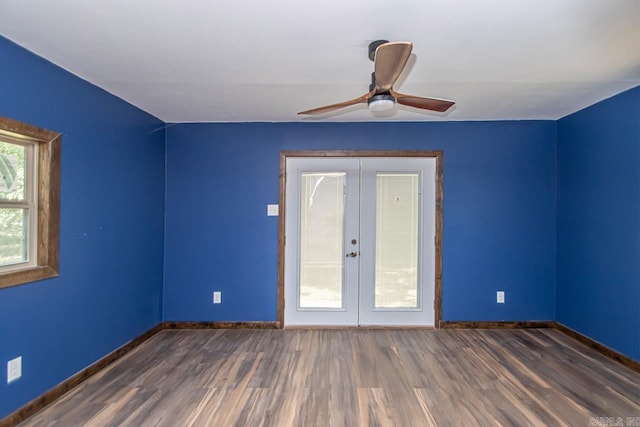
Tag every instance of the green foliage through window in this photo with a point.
(12, 171)
(13, 236)
(14, 219)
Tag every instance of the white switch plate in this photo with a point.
(217, 297)
(14, 369)
(272, 210)
(500, 297)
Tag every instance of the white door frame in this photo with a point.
(438, 155)
(423, 313)
(347, 314)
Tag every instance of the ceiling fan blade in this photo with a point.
(390, 60)
(328, 108)
(433, 104)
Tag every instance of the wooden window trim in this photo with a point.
(48, 183)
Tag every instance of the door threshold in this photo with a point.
(359, 327)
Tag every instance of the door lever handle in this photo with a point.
(352, 254)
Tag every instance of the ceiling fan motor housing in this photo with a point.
(381, 102)
(373, 46)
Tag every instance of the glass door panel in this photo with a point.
(397, 278)
(397, 230)
(321, 240)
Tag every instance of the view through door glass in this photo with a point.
(396, 258)
(321, 239)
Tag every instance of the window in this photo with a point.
(29, 202)
(18, 204)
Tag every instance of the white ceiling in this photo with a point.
(251, 60)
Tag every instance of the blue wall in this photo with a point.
(111, 244)
(598, 285)
(499, 220)
(499, 213)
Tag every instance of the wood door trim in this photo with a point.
(437, 154)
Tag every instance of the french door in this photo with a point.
(359, 241)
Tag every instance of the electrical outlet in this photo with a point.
(14, 369)
(500, 297)
(217, 297)
(272, 210)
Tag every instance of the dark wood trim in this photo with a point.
(282, 178)
(48, 239)
(360, 153)
(496, 325)
(600, 348)
(48, 397)
(438, 237)
(220, 325)
(49, 203)
(589, 342)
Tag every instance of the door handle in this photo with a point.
(352, 254)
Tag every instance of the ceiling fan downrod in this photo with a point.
(373, 46)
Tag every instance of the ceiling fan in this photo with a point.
(389, 60)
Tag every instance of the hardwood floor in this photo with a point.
(353, 377)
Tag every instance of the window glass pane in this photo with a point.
(397, 201)
(321, 247)
(13, 235)
(12, 171)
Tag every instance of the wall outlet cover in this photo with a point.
(500, 297)
(217, 297)
(273, 210)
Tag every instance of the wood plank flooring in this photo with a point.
(353, 377)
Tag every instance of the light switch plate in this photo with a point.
(14, 369)
(272, 210)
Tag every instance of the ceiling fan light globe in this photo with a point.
(378, 103)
